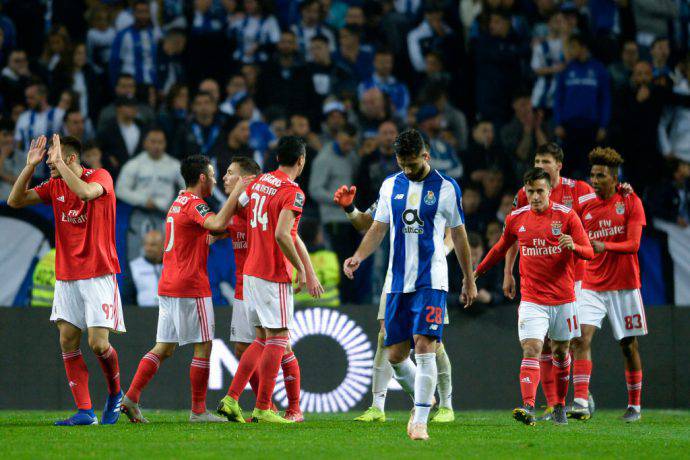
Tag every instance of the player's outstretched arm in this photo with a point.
(283, 236)
(369, 243)
(219, 222)
(631, 244)
(496, 253)
(21, 196)
(86, 191)
(462, 252)
(508, 278)
(313, 284)
(344, 198)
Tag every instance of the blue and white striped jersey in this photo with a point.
(418, 214)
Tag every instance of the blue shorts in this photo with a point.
(414, 313)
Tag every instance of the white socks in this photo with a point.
(404, 372)
(445, 382)
(383, 372)
(424, 386)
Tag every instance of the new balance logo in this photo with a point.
(399, 196)
(522, 228)
(588, 216)
(61, 198)
(526, 380)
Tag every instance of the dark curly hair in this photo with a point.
(409, 144)
(606, 156)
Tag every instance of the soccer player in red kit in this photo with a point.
(86, 293)
(274, 202)
(185, 309)
(550, 237)
(242, 331)
(611, 287)
(567, 192)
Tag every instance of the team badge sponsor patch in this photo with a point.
(620, 208)
(299, 200)
(556, 228)
(430, 198)
(202, 209)
(568, 202)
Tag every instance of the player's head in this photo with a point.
(549, 157)
(71, 154)
(239, 167)
(292, 152)
(605, 163)
(538, 188)
(412, 154)
(197, 171)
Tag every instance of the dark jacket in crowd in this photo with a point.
(583, 94)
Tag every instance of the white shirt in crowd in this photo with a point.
(130, 134)
(145, 276)
(143, 178)
(32, 124)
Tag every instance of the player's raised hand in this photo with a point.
(509, 286)
(566, 242)
(345, 195)
(37, 150)
(55, 150)
(469, 291)
(314, 287)
(350, 266)
(626, 188)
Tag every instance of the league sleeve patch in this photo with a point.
(203, 209)
(299, 200)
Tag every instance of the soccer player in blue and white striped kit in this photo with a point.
(417, 205)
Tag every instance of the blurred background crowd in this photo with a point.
(145, 83)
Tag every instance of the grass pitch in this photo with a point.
(660, 434)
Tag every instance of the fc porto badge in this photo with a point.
(430, 198)
(620, 208)
(556, 228)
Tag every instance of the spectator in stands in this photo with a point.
(523, 134)
(433, 34)
(353, 55)
(383, 79)
(621, 70)
(674, 126)
(453, 120)
(493, 232)
(75, 125)
(146, 269)
(506, 206)
(309, 26)
(92, 157)
(237, 144)
(210, 86)
(11, 160)
(14, 80)
(235, 89)
(582, 105)
(374, 108)
(173, 114)
(670, 200)
(653, 18)
(661, 52)
(299, 126)
(99, 38)
(261, 138)
(39, 118)
(499, 60)
(326, 266)
(208, 50)
(335, 117)
(443, 157)
(255, 32)
(490, 285)
(484, 155)
(548, 61)
(492, 192)
(170, 64)
(134, 50)
(475, 220)
(83, 79)
(376, 165)
(9, 34)
(126, 87)
(326, 75)
(337, 164)
(55, 54)
(121, 138)
(204, 132)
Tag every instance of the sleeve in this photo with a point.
(383, 211)
(455, 216)
(103, 177)
(415, 51)
(243, 200)
(583, 248)
(371, 210)
(500, 249)
(293, 200)
(198, 211)
(537, 57)
(636, 214)
(43, 190)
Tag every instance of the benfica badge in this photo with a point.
(556, 228)
(568, 201)
(620, 208)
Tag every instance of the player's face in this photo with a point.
(231, 174)
(67, 158)
(549, 164)
(602, 180)
(414, 167)
(210, 182)
(538, 193)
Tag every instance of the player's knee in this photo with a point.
(68, 343)
(531, 349)
(396, 356)
(580, 344)
(628, 346)
(99, 345)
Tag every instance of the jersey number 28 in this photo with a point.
(259, 216)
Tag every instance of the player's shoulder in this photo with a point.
(445, 179)
(567, 182)
(559, 208)
(589, 197)
(97, 173)
(389, 182)
(520, 210)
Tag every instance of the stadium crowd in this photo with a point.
(143, 84)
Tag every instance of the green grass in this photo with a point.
(29, 434)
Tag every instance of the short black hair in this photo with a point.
(551, 148)
(354, 30)
(70, 112)
(349, 129)
(290, 149)
(6, 125)
(203, 93)
(192, 167)
(658, 39)
(581, 39)
(70, 145)
(409, 143)
(385, 50)
(535, 174)
(320, 38)
(125, 75)
(247, 165)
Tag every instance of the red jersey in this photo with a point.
(238, 233)
(617, 222)
(186, 248)
(567, 192)
(84, 230)
(546, 270)
(265, 198)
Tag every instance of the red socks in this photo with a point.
(561, 376)
(148, 366)
(254, 382)
(78, 378)
(529, 380)
(249, 362)
(291, 377)
(198, 375)
(268, 369)
(634, 381)
(582, 371)
(547, 379)
(111, 370)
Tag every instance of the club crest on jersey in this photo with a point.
(430, 198)
(620, 208)
(556, 228)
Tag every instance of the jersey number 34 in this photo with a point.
(259, 216)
